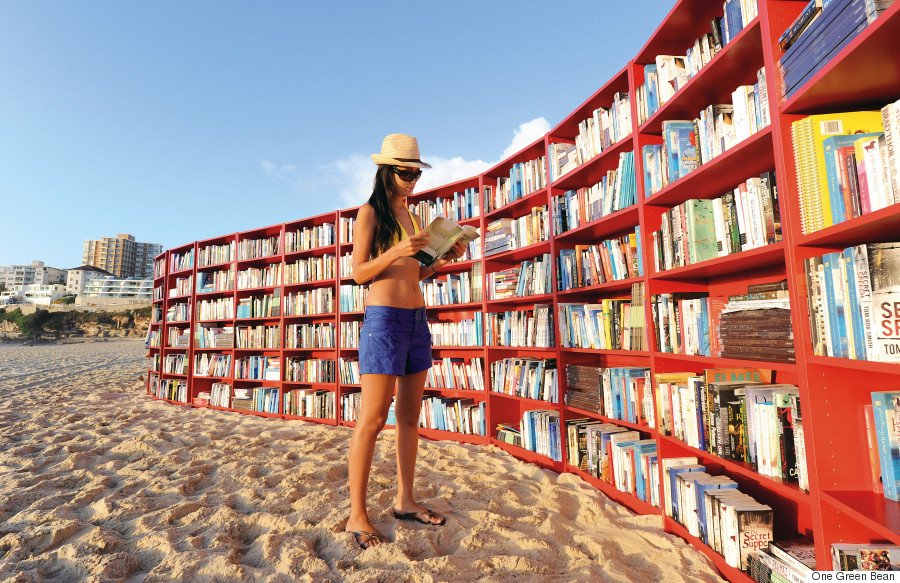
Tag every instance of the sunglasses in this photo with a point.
(407, 175)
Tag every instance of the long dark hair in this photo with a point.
(387, 228)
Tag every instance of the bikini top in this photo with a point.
(415, 224)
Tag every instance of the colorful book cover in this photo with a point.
(884, 274)
(831, 146)
(701, 230)
(886, 410)
(810, 134)
(754, 530)
(681, 147)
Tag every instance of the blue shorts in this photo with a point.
(394, 341)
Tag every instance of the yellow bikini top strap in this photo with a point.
(415, 223)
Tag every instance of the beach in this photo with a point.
(100, 483)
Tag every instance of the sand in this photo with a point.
(100, 483)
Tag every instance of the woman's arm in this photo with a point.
(366, 269)
(455, 252)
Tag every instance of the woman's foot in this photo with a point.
(366, 539)
(418, 513)
(365, 534)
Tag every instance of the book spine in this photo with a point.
(887, 424)
(872, 443)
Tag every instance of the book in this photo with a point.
(800, 24)
(865, 557)
(886, 411)
(884, 273)
(799, 553)
(442, 234)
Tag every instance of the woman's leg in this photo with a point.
(408, 404)
(377, 391)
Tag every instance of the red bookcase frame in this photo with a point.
(840, 505)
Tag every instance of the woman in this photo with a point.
(395, 344)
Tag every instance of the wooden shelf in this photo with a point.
(517, 255)
(440, 435)
(751, 157)
(518, 206)
(531, 403)
(881, 225)
(601, 352)
(769, 255)
(455, 307)
(872, 510)
(322, 420)
(602, 228)
(592, 171)
(742, 470)
(306, 284)
(294, 385)
(527, 456)
(566, 296)
(575, 412)
(216, 267)
(531, 349)
(736, 64)
(624, 498)
(500, 305)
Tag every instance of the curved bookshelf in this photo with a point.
(838, 507)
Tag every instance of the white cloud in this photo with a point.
(284, 172)
(526, 134)
(447, 170)
(351, 178)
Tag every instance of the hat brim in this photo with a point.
(381, 159)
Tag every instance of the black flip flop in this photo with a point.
(365, 539)
(422, 517)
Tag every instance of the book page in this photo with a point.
(442, 234)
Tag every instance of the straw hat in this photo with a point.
(400, 150)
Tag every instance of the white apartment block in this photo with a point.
(79, 277)
(14, 277)
(121, 255)
(41, 294)
(132, 288)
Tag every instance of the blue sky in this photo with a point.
(178, 121)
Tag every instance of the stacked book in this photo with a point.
(529, 378)
(609, 260)
(865, 557)
(847, 164)
(687, 144)
(457, 374)
(669, 73)
(309, 403)
(615, 455)
(702, 229)
(757, 329)
(457, 415)
(615, 191)
(851, 310)
(713, 509)
(818, 34)
(791, 560)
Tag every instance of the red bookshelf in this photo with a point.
(840, 505)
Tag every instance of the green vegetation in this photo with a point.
(42, 321)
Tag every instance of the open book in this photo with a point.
(442, 234)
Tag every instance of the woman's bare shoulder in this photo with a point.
(366, 211)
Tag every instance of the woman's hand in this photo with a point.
(456, 251)
(409, 246)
